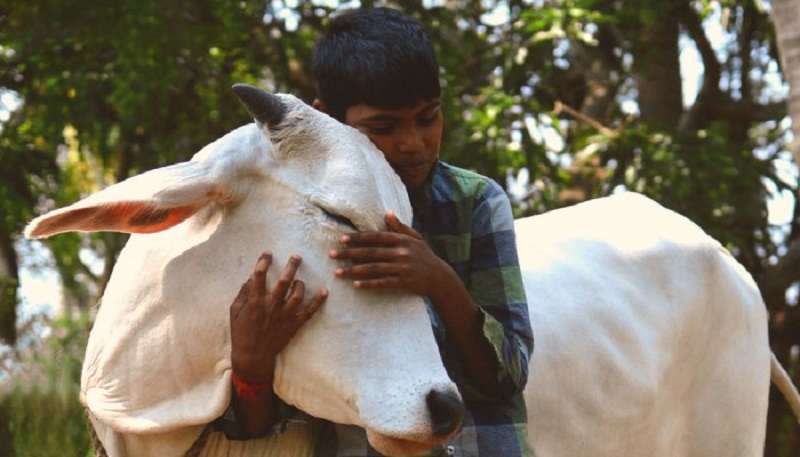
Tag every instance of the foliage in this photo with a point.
(41, 422)
(39, 408)
(112, 89)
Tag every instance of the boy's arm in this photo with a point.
(263, 321)
(494, 281)
(464, 322)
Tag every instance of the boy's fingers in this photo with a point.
(374, 254)
(239, 302)
(296, 292)
(259, 277)
(286, 278)
(370, 239)
(379, 283)
(393, 222)
(313, 305)
(369, 271)
(398, 227)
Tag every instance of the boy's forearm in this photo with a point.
(464, 323)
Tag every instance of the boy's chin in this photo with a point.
(414, 178)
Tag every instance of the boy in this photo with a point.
(377, 72)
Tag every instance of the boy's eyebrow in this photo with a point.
(389, 117)
(433, 104)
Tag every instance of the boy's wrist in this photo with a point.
(447, 290)
(249, 391)
(253, 372)
(439, 281)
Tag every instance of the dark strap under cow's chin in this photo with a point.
(97, 445)
(200, 442)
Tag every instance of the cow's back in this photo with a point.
(650, 339)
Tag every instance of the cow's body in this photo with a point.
(650, 339)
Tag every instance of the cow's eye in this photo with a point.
(339, 219)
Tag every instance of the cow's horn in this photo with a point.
(265, 107)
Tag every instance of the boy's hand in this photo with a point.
(264, 320)
(397, 259)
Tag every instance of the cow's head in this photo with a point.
(295, 181)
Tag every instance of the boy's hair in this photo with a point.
(378, 56)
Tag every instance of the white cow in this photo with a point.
(157, 366)
(650, 339)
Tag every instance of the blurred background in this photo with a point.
(560, 101)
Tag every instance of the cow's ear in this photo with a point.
(147, 203)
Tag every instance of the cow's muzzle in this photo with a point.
(447, 412)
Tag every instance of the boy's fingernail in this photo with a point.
(333, 254)
(344, 238)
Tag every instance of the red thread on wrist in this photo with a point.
(247, 391)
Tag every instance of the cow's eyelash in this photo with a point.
(338, 218)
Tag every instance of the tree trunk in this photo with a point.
(597, 63)
(657, 70)
(9, 280)
(786, 15)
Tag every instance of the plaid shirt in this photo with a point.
(466, 219)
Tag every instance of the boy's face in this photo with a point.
(408, 137)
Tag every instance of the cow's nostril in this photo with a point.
(447, 412)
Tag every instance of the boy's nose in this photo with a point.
(411, 142)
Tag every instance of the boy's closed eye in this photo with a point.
(427, 121)
(379, 128)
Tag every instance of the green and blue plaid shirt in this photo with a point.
(466, 219)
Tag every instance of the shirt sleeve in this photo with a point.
(495, 284)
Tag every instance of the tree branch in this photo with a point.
(748, 112)
(561, 107)
(699, 115)
(694, 27)
(774, 281)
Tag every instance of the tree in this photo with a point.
(787, 29)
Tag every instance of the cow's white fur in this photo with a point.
(158, 360)
(650, 339)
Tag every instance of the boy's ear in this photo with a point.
(319, 106)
